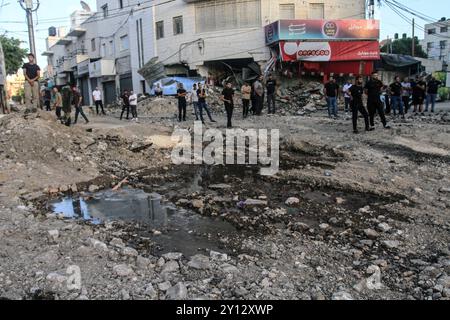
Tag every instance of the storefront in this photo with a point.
(83, 81)
(323, 47)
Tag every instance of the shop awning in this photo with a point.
(398, 60)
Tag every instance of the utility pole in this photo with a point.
(29, 8)
(413, 37)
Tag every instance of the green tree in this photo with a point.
(14, 54)
(404, 46)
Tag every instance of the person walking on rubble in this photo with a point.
(202, 105)
(78, 104)
(355, 93)
(228, 99)
(374, 105)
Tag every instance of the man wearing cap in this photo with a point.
(32, 73)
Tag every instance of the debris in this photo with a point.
(177, 292)
(342, 295)
(119, 185)
(141, 148)
(292, 201)
(123, 270)
(391, 244)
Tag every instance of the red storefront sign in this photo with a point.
(329, 51)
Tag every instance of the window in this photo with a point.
(178, 25)
(93, 47)
(444, 29)
(443, 44)
(430, 45)
(111, 48)
(103, 50)
(105, 11)
(121, 4)
(316, 11)
(217, 15)
(160, 30)
(287, 11)
(432, 31)
(124, 43)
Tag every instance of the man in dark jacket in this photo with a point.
(374, 105)
(433, 87)
(356, 92)
(125, 104)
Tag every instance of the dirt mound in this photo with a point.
(50, 151)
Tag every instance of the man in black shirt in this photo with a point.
(228, 99)
(356, 93)
(419, 89)
(433, 86)
(125, 104)
(396, 96)
(374, 104)
(332, 92)
(32, 73)
(182, 103)
(271, 86)
(78, 104)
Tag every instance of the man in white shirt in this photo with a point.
(133, 104)
(97, 95)
(347, 97)
(194, 99)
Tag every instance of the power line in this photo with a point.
(407, 19)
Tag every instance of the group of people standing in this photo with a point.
(129, 103)
(397, 95)
(252, 99)
(62, 102)
(353, 94)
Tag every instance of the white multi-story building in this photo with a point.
(190, 37)
(437, 40)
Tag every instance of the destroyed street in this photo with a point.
(347, 216)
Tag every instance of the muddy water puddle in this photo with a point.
(169, 228)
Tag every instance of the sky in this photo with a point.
(56, 13)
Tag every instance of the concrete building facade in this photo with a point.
(436, 42)
(190, 37)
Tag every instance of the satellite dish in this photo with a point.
(85, 6)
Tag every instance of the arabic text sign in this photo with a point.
(329, 51)
(322, 30)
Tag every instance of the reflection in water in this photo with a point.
(127, 204)
(182, 231)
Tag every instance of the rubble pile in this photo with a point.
(44, 146)
(307, 97)
(154, 107)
